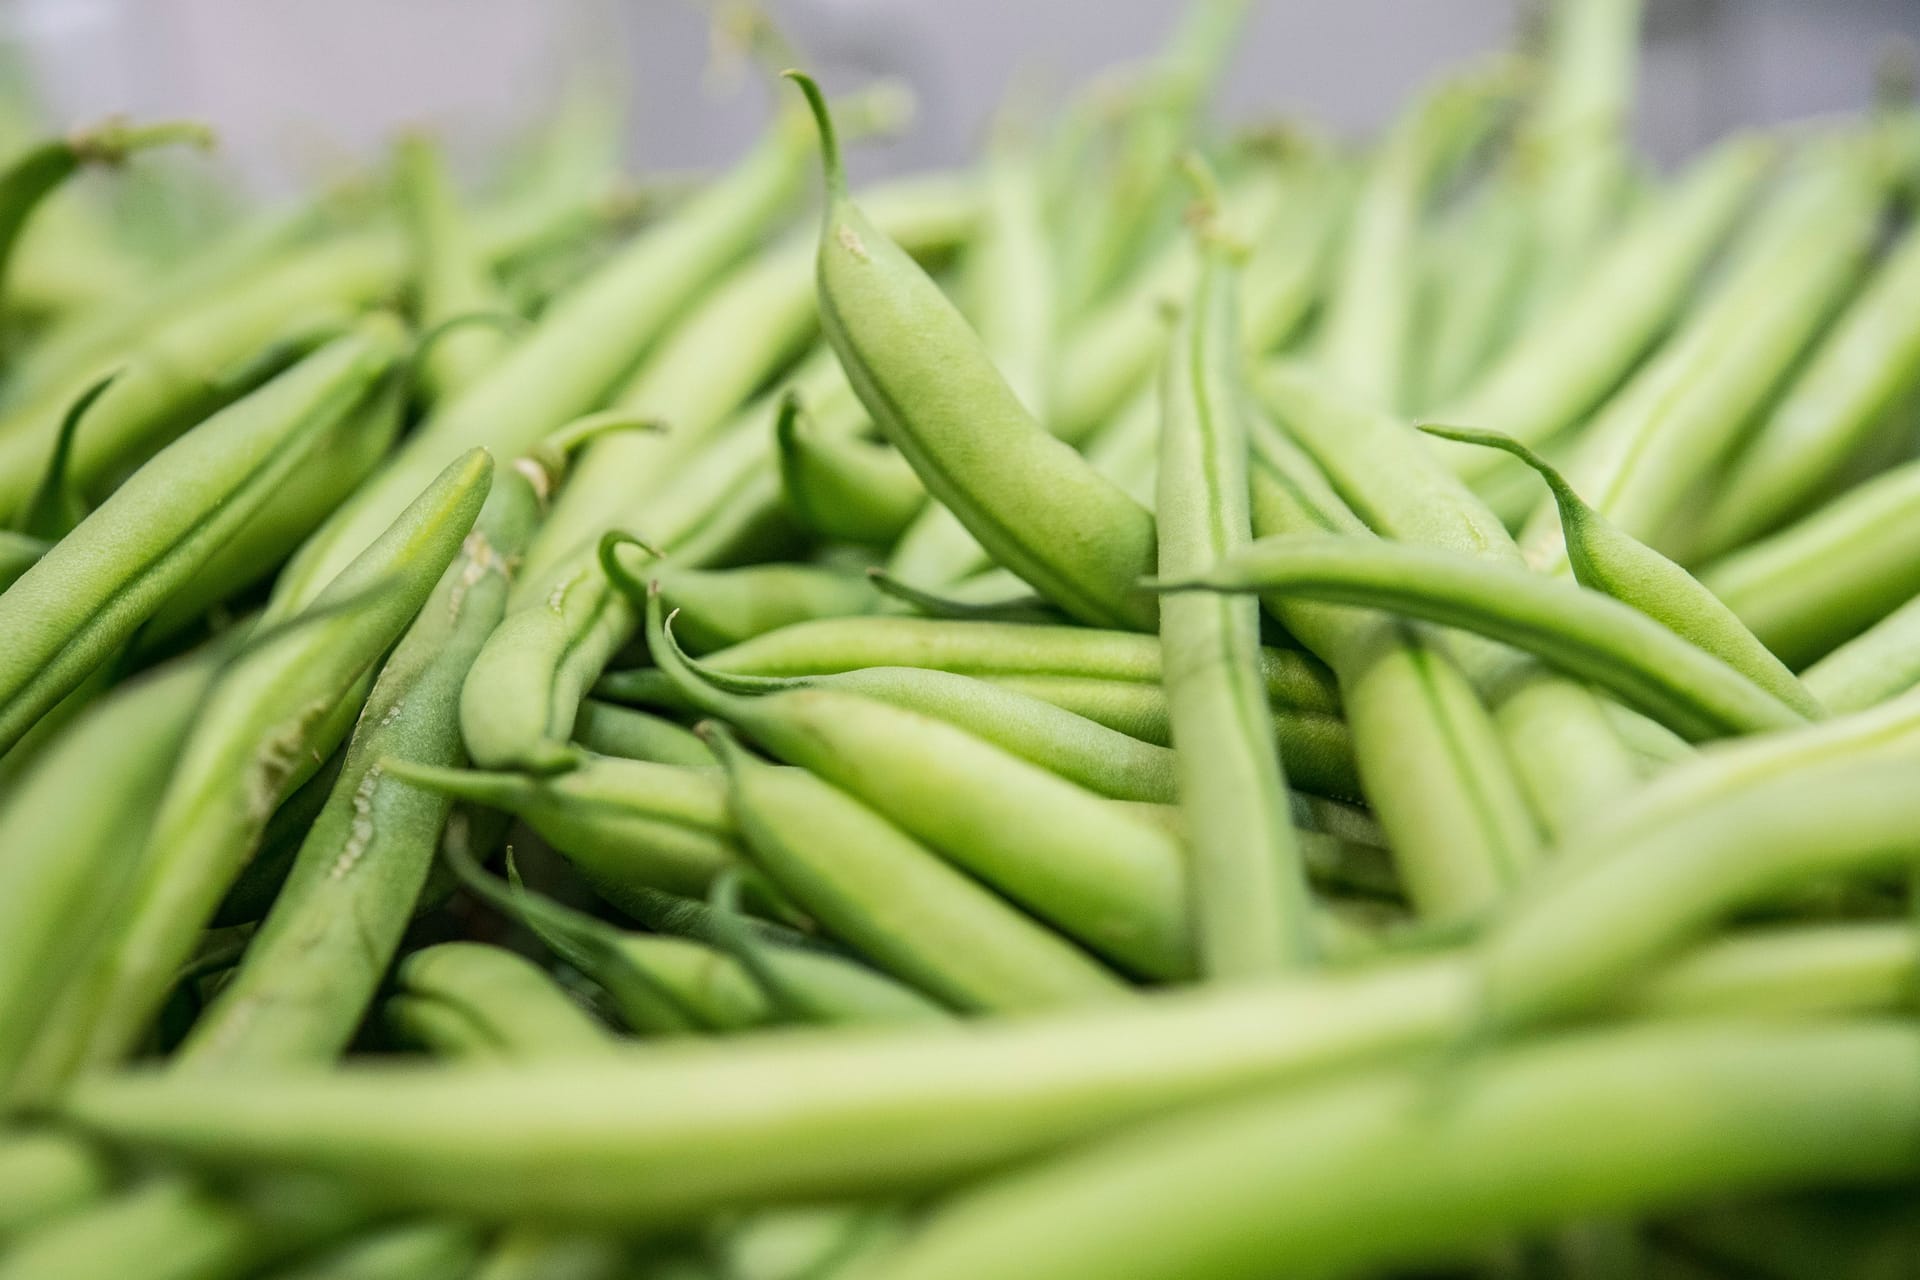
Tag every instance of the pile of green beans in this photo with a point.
(1178, 703)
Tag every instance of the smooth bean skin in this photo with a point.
(913, 914)
(996, 649)
(1556, 371)
(172, 1228)
(67, 841)
(1680, 416)
(1879, 663)
(1068, 855)
(311, 969)
(351, 451)
(653, 1135)
(1611, 561)
(1859, 373)
(452, 277)
(849, 490)
(1642, 1119)
(1619, 909)
(609, 729)
(1425, 747)
(425, 1250)
(625, 824)
(1825, 578)
(88, 593)
(181, 373)
(44, 1176)
(723, 607)
(564, 622)
(1248, 886)
(1583, 632)
(1018, 712)
(712, 990)
(1028, 498)
(486, 1002)
(1365, 338)
(1557, 734)
(255, 725)
(570, 359)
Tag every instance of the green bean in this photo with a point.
(45, 1175)
(723, 607)
(255, 726)
(1877, 664)
(1472, 290)
(1575, 137)
(1585, 633)
(728, 347)
(1789, 972)
(1642, 1119)
(676, 985)
(567, 361)
(1365, 338)
(86, 595)
(1560, 368)
(172, 1229)
(1681, 415)
(1862, 369)
(1249, 891)
(1557, 734)
(1066, 854)
(1452, 805)
(31, 177)
(1615, 563)
(1623, 907)
(311, 969)
(849, 489)
(1827, 577)
(451, 275)
(609, 729)
(185, 370)
(1173, 91)
(539, 1253)
(479, 1001)
(66, 839)
(425, 1250)
(565, 621)
(1010, 293)
(995, 649)
(352, 450)
(1029, 499)
(623, 823)
(794, 1117)
(872, 884)
(974, 599)
(1110, 354)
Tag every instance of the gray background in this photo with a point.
(303, 88)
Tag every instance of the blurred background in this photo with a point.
(300, 90)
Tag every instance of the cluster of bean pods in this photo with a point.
(1183, 704)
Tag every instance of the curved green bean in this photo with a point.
(1028, 498)
(69, 612)
(1615, 563)
(1070, 856)
(871, 884)
(1583, 632)
(849, 489)
(257, 722)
